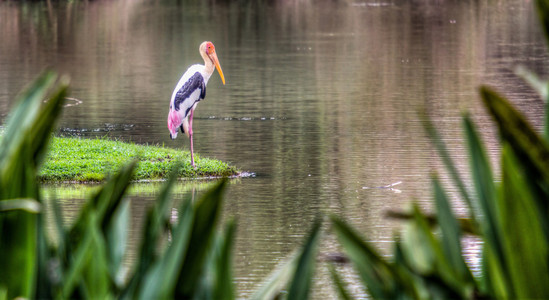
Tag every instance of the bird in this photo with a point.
(190, 90)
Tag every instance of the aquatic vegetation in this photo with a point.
(510, 216)
(191, 257)
(86, 259)
(91, 160)
(186, 258)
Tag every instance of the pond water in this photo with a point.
(321, 99)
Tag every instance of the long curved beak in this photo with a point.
(213, 57)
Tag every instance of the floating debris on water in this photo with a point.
(371, 4)
(243, 118)
(247, 174)
(387, 187)
(107, 127)
(72, 101)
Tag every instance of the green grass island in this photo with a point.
(72, 159)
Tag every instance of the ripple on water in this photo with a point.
(243, 118)
(69, 102)
(107, 127)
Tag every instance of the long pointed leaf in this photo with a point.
(491, 222)
(301, 282)
(224, 286)
(207, 213)
(526, 248)
(382, 279)
(20, 152)
(543, 13)
(155, 222)
(160, 281)
(451, 239)
(443, 152)
(339, 284)
(272, 286)
(530, 148)
(117, 240)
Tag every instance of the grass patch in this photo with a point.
(92, 160)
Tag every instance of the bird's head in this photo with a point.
(207, 50)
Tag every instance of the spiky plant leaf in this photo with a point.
(160, 281)
(207, 215)
(443, 152)
(221, 266)
(301, 281)
(542, 88)
(419, 241)
(451, 242)
(543, 13)
(490, 223)
(23, 144)
(531, 150)
(116, 236)
(28, 205)
(340, 287)
(526, 247)
(383, 280)
(272, 285)
(157, 219)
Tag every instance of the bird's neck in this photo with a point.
(208, 67)
(208, 64)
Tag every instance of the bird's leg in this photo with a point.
(191, 136)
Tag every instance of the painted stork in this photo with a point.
(190, 89)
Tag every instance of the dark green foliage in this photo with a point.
(86, 261)
(510, 216)
(295, 274)
(301, 280)
(21, 150)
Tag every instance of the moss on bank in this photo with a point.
(91, 160)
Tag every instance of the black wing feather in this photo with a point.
(195, 82)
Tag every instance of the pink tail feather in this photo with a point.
(174, 121)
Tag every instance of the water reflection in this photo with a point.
(321, 98)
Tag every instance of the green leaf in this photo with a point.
(301, 283)
(465, 225)
(155, 222)
(425, 257)
(104, 203)
(531, 150)
(443, 152)
(451, 237)
(20, 152)
(539, 85)
(383, 280)
(28, 205)
(339, 284)
(160, 282)
(116, 241)
(222, 265)
(491, 222)
(484, 184)
(543, 13)
(272, 285)
(207, 213)
(526, 247)
(24, 116)
(80, 259)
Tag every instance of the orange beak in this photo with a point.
(214, 59)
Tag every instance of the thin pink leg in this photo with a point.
(191, 136)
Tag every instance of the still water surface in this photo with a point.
(321, 100)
